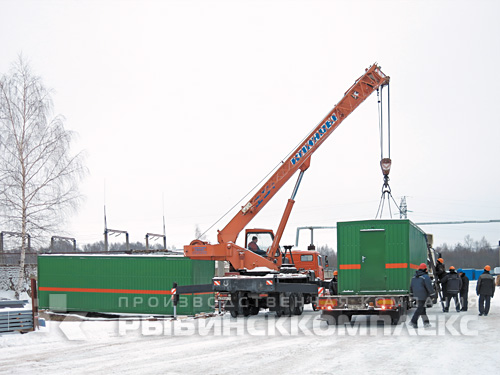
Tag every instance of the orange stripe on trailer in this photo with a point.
(396, 265)
(350, 266)
(414, 266)
(99, 290)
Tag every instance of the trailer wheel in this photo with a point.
(235, 304)
(332, 319)
(314, 303)
(286, 303)
(394, 319)
(398, 316)
(297, 303)
(254, 310)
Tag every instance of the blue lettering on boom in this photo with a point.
(315, 138)
(267, 190)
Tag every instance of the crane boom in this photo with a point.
(370, 81)
(359, 91)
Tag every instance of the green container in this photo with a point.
(378, 256)
(136, 284)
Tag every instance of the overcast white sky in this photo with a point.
(196, 101)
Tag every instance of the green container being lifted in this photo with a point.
(133, 284)
(378, 256)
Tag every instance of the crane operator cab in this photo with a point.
(258, 240)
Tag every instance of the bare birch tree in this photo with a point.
(38, 174)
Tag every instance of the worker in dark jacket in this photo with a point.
(464, 290)
(452, 284)
(333, 286)
(440, 269)
(255, 248)
(440, 272)
(485, 289)
(421, 288)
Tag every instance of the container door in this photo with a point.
(372, 251)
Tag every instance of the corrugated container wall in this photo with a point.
(137, 284)
(378, 256)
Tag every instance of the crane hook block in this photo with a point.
(385, 164)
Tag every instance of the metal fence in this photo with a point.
(13, 258)
(15, 317)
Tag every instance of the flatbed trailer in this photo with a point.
(285, 293)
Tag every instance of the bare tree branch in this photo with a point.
(39, 175)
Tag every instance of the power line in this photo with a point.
(311, 228)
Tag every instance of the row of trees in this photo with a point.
(470, 254)
(325, 250)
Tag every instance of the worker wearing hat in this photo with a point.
(485, 289)
(452, 284)
(440, 269)
(464, 290)
(333, 286)
(421, 289)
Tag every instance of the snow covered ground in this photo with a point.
(459, 343)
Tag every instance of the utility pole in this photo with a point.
(70, 239)
(403, 208)
(152, 236)
(107, 232)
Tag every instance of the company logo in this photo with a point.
(199, 250)
(314, 139)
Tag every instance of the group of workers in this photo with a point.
(485, 287)
(454, 285)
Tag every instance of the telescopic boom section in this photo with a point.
(299, 159)
(362, 88)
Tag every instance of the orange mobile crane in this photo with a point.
(270, 281)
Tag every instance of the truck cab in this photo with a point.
(309, 260)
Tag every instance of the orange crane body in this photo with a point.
(241, 258)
